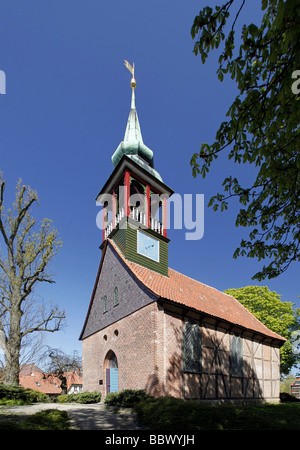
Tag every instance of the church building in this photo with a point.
(151, 327)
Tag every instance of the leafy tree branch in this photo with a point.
(262, 128)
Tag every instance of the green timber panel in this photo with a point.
(132, 255)
(126, 240)
(120, 239)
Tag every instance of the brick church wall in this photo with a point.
(148, 346)
(133, 340)
(146, 335)
(128, 329)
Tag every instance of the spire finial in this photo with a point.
(133, 82)
(131, 70)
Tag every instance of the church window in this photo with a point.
(104, 304)
(113, 362)
(236, 366)
(116, 296)
(191, 348)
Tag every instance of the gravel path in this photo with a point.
(95, 416)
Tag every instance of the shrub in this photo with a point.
(88, 397)
(17, 395)
(126, 398)
(80, 397)
(36, 397)
(111, 399)
(63, 398)
(287, 398)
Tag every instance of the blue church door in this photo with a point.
(112, 375)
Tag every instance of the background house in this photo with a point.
(31, 377)
(295, 388)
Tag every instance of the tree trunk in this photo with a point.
(12, 368)
(13, 347)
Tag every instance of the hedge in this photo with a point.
(80, 397)
(126, 398)
(17, 395)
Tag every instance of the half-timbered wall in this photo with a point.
(216, 379)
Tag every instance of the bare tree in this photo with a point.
(60, 364)
(25, 265)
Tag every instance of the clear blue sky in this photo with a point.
(65, 112)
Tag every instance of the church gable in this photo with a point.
(117, 293)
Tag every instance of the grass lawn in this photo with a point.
(163, 413)
(50, 419)
(173, 414)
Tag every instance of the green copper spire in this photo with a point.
(132, 144)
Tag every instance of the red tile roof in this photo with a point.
(47, 383)
(296, 381)
(185, 291)
(73, 378)
(26, 369)
(39, 382)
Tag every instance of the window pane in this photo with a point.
(104, 303)
(191, 348)
(116, 297)
(236, 356)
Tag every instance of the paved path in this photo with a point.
(95, 416)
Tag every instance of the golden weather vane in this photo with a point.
(131, 70)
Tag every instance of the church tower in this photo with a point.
(134, 199)
(147, 325)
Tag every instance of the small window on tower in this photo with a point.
(116, 297)
(104, 304)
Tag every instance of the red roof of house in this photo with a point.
(47, 383)
(185, 291)
(297, 381)
(38, 381)
(27, 369)
(73, 378)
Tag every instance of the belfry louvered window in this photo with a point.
(236, 363)
(191, 348)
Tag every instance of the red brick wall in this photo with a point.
(148, 346)
(134, 346)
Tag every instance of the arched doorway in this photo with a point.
(111, 372)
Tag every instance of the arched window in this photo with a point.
(116, 296)
(191, 348)
(113, 362)
(236, 356)
(104, 304)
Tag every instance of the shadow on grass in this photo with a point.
(51, 419)
(168, 413)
